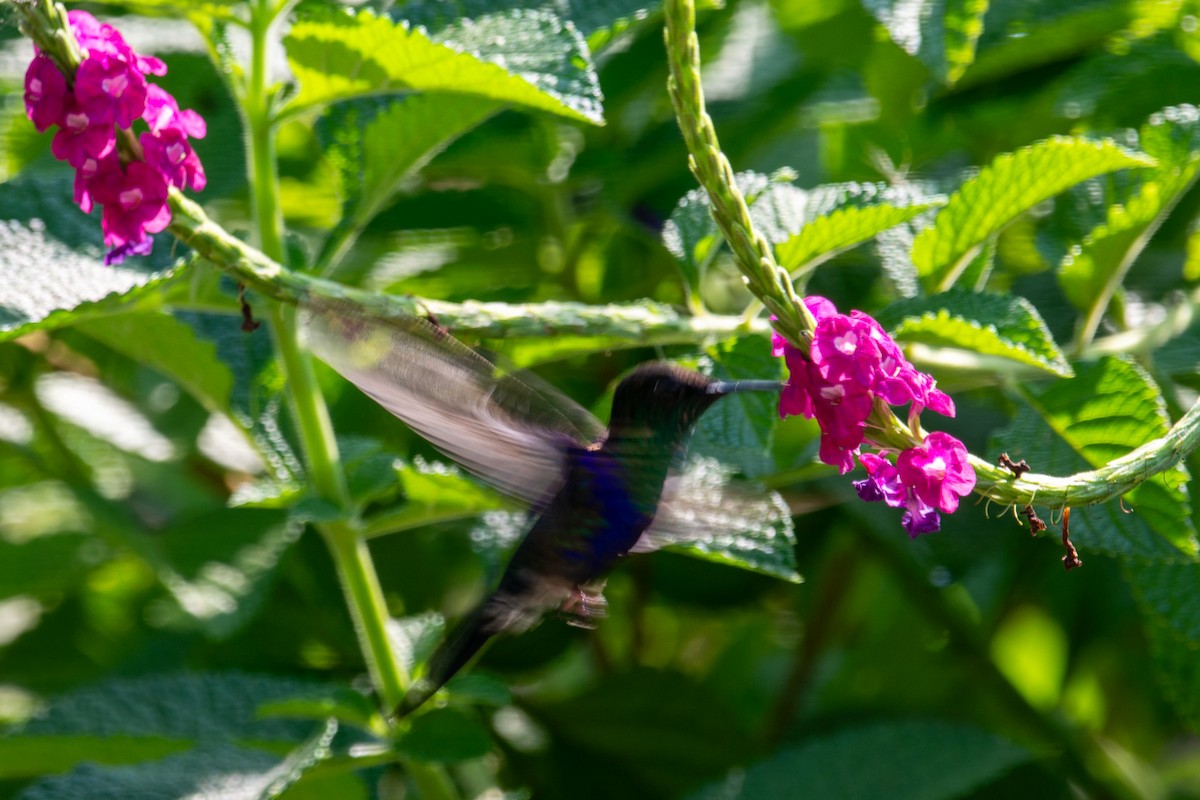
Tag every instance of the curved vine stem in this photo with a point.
(772, 285)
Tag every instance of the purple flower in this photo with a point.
(163, 113)
(45, 92)
(110, 90)
(118, 254)
(170, 154)
(134, 204)
(882, 482)
(920, 518)
(938, 471)
(80, 138)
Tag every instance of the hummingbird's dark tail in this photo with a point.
(452, 655)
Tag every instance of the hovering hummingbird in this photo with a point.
(596, 494)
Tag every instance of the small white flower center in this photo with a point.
(847, 343)
(130, 198)
(936, 468)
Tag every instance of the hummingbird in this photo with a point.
(596, 493)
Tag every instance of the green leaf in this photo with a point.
(132, 719)
(436, 492)
(415, 638)
(47, 564)
(989, 324)
(708, 514)
(338, 56)
(825, 236)
(1169, 598)
(445, 735)
(740, 429)
(942, 34)
(256, 399)
(377, 145)
(1092, 272)
(908, 760)
(1012, 184)
(51, 262)
(590, 17)
(171, 347)
(221, 565)
(1109, 408)
(216, 771)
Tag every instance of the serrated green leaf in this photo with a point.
(378, 145)
(740, 429)
(1012, 184)
(942, 34)
(1092, 272)
(1168, 596)
(339, 56)
(590, 17)
(51, 262)
(256, 398)
(707, 513)
(415, 638)
(909, 761)
(221, 565)
(170, 347)
(219, 771)
(989, 324)
(436, 493)
(445, 736)
(1109, 408)
(131, 719)
(843, 228)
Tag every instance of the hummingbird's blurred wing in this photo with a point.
(705, 510)
(510, 429)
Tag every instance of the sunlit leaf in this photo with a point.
(1012, 184)
(526, 58)
(1109, 408)
(988, 324)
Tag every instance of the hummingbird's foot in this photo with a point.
(583, 606)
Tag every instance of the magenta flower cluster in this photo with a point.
(110, 92)
(852, 362)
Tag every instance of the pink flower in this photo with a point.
(80, 138)
(163, 113)
(841, 411)
(45, 92)
(884, 482)
(110, 90)
(845, 351)
(938, 471)
(134, 204)
(170, 154)
(95, 175)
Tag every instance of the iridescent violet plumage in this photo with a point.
(852, 361)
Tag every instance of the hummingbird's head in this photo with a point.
(666, 399)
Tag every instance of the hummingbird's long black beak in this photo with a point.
(729, 387)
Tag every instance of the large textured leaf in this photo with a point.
(989, 324)
(256, 399)
(1012, 184)
(844, 227)
(218, 567)
(590, 17)
(51, 261)
(1092, 272)
(378, 145)
(525, 58)
(739, 430)
(436, 493)
(171, 347)
(1109, 408)
(1169, 597)
(941, 33)
(218, 772)
(908, 761)
(129, 720)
